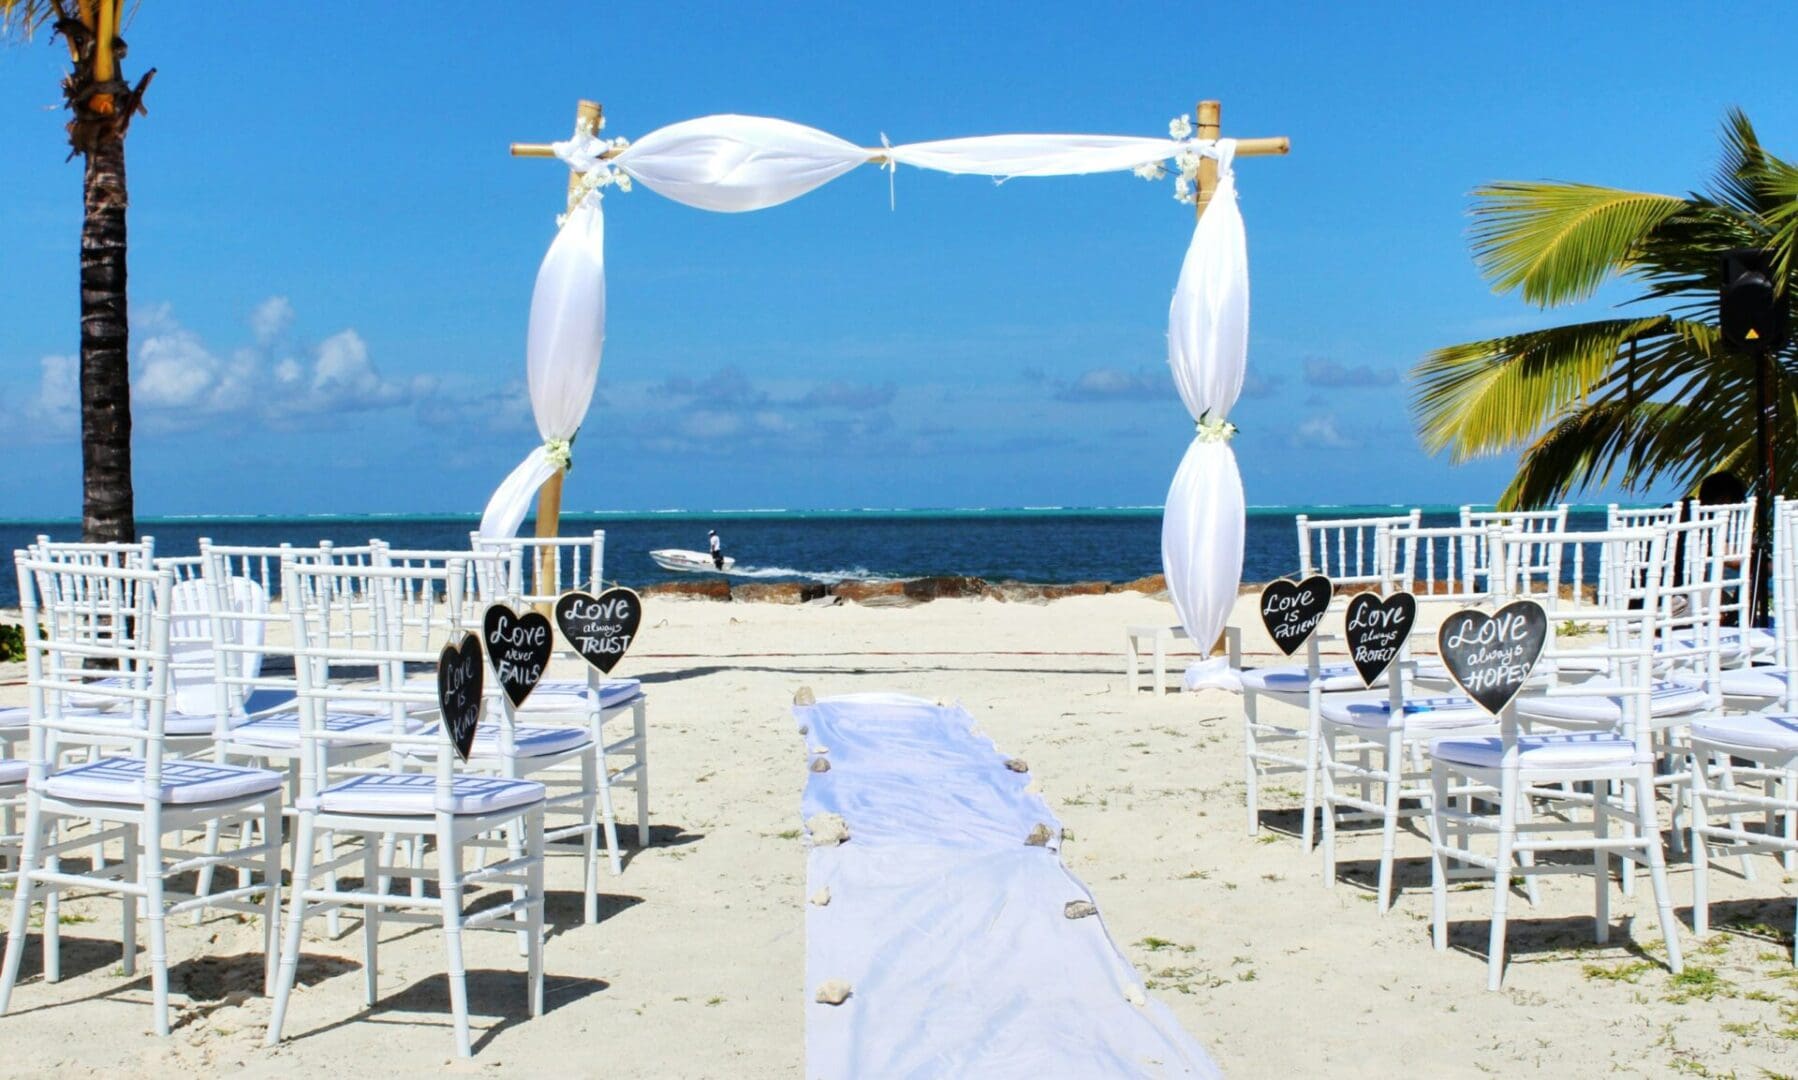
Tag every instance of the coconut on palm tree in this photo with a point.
(101, 103)
(1649, 399)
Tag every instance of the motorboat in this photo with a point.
(690, 562)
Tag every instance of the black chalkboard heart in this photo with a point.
(1291, 610)
(459, 684)
(1375, 629)
(601, 628)
(518, 647)
(1491, 656)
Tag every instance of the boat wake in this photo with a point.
(823, 577)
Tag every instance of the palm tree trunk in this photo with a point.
(107, 504)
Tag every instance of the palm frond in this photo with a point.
(22, 18)
(1485, 397)
(1583, 450)
(1739, 169)
(1558, 242)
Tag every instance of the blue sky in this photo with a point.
(332, 254)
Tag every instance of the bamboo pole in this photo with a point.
(549, 497)
(1263, 146)
(1209, 115)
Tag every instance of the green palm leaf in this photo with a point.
(1559, 242)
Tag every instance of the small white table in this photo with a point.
(1161, 637)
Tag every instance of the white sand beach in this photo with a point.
(696, 969)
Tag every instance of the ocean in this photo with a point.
(1043, 545)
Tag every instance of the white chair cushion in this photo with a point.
(568, 695)
(281, 731)
(13, 772)
(1753, 682)
(528, 741)
(183, 725)
(1664, 699)
(1732, 643)
(1375, 712)
(415, 795)
(121, 780)
(1568, 750)
(1295, 679)
(1761, 731)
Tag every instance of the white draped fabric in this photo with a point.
(734, 163)
(951, 930)
(562, 351)
(1207, 348)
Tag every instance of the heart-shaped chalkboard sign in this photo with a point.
(518, 647)
(1491, 656)
(1375, 628)
(1292, 609)
(601, 628)
(459, 684)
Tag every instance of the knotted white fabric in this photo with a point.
(1207, 348)
(562, 352)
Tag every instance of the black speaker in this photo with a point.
(1749, 309)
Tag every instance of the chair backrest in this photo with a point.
(1351, 551)
(553, 564)
(316, 656)
(1784, 591)
(1535, 569)
(432, 607)
(61, 655)
(1689, 617)
(94, 605)
(1442, 562)
(1635, 562)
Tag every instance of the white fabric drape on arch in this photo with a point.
(562, 351)
(735, 163)
(1207, 348)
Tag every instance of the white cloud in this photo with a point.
(180, 383)
(271, 320)
(1320, 431)
(55, 409)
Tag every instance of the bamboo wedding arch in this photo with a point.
(734, 163)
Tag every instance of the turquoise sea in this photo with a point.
(1036, 544)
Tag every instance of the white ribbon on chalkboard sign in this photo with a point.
(1207, 348)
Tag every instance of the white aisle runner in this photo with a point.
(948, 926)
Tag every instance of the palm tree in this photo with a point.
(1651, 397)
(102, 104)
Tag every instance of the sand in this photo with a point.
(696, 967)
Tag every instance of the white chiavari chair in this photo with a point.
(1514, 767)
(457, 810)
(138, 797)
(1351, 551)
(1374, 738)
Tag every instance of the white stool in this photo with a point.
(1162, 636)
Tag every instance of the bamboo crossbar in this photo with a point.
(1264, 146)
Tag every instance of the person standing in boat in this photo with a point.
(717, 549)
